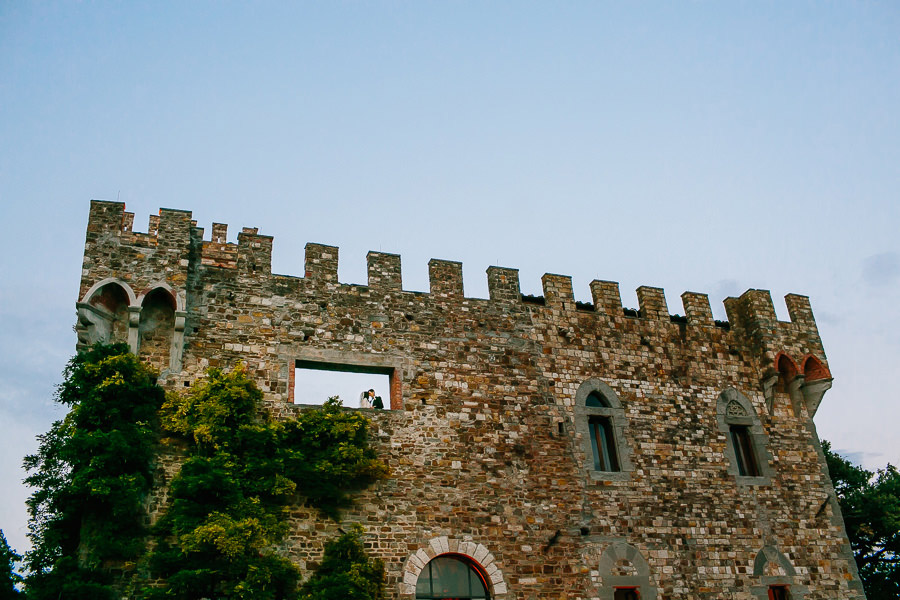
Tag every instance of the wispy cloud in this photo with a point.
(881, 270)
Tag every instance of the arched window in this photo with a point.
(600, 420)
(603, 438)
(451, 576)
(103, 315)
(745, 445)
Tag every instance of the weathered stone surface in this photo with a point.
(485, 439)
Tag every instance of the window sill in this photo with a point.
(757, 480)
(609, 475)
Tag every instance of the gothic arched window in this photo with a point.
(745, 445)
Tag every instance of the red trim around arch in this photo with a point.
(814, 369)
(786, 366)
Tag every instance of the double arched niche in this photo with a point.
(152, 323)
(804, 384)
(449, 568)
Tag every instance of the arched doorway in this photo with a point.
(451, 577)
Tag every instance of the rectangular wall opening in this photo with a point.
(314, 382)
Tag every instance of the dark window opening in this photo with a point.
(451, 577)
(626, 594)
(603, 444)
(743, 451)
(596, 400)
(315, 382)
(779, 592)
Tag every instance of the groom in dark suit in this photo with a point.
(375, 400)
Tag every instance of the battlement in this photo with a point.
(252, 254)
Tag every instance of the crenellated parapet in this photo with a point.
(173, 245)
(173, 232)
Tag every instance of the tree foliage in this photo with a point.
(228, 504)
(346, 572)
(229, 501)
(9, 578)
(870, 503)
(91, 473)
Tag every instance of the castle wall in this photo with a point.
(488, 433)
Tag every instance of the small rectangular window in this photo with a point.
(626, 594)
(603, 443)
(779, 592)
(743, 451)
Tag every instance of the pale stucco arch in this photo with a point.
(96, 323)
(132, 300)
(177, 339)
(178, 297)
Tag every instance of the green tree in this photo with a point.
(230, 499)
(870, 503)
(9, 578)
(346, 572)
(91, 473)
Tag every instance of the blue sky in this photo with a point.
(703, 146)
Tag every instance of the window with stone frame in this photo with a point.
(313, 381)
(745, 439)
(629, 593)
(775, 578)
(451, 576)
(603, 437)
(600, 424)
(743, 451)
(779, 592)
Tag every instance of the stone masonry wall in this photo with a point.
(487, 436)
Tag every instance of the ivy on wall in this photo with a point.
(228, 503)
(91, 473)
(346, 572)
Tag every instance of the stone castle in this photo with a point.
(540, 447)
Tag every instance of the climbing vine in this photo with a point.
(230, 499)
(229, 502)
(346, 572)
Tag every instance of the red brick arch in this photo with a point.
(813, 368)
(786, 366)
